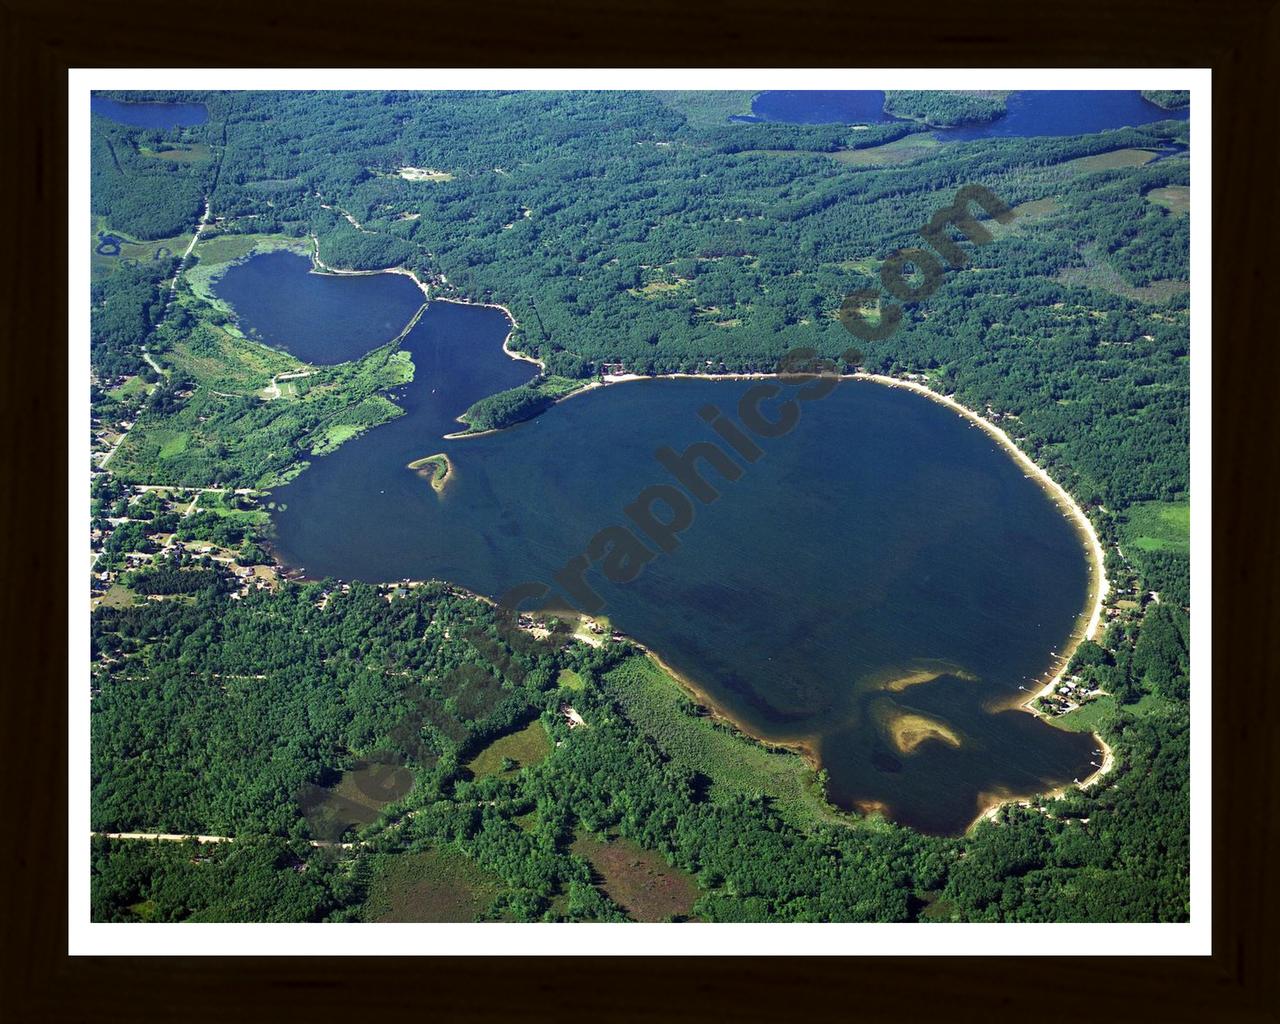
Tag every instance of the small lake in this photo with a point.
(319, 318)
(875, 588)
(818, 106)
(1030, 113)
(150, 115)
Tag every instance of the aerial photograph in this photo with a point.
(597, 505)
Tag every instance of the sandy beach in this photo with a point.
(1099, 586)
(994, 803)
(323, 267)
(437, 470)
(1091, 617)
(506, 347)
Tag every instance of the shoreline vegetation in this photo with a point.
(1098, 585)
(1128, 864)
(439, 471)
(946, 109)
(1168, 99)
(994, 803)
(1091, 615)
(435, 469)
(319, 266)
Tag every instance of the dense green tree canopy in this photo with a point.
(619, 231)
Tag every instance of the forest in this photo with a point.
(941, 108)
(238, 706)
(139, 192)
(505, 408)
(1170, 99)
(635, 230)
(618, 232)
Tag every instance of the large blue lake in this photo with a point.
(883, 540)
(150, 115)
(1031, 113)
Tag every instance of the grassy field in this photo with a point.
(1094, 715)
(526, 748)
(1089, 718)
(704, 109)
(1101, 275)
(172, 443)
(1174, 198)
(735, 764)
(1111, 161)
(900, 151)
(228, 362)
(357, 798)
(118, 596)
(1024, 215)
(220, 249)
(640, 881)
(438, 885)
(224, 505)
(130, 249)
(1158, 526)
(1035, 208)
(657, 288)
(568, 679)
(132, 386)
(181, 153)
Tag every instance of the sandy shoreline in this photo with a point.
(693, 690)
(323, 267)
(1099, 584)
(425, 467)
(995, 803)
(506, 347)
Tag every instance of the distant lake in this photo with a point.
(883, 539)
(819, 106)
(150, 115)
(1031, 113)
(320, 318)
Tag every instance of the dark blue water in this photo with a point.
(1067, 112)
(881, 537)
(320, 318)
(1030, 113)
(150, 115)
(819, 106)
